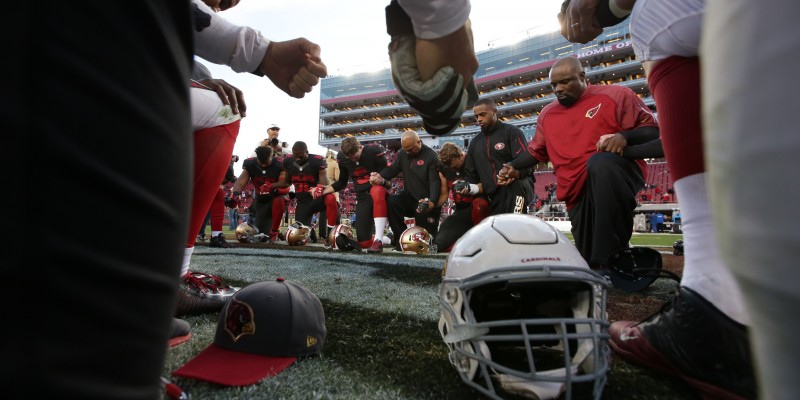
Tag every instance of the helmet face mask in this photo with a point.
(246, 233)
(297, 234)
(415, 240)
(509, 286)
(341, 238)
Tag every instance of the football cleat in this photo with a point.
(219, 241)
(201, 293)
(376, 247)
(693, 340)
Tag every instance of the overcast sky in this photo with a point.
(352, 35)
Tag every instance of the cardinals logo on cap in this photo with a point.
(239, 320)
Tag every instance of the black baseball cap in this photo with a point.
(261, 331)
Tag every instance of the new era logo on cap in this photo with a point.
(261, 331)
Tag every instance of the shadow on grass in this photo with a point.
(388, 348)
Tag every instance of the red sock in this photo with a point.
(675, 82)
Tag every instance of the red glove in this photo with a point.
(265, 188)
(317, 191)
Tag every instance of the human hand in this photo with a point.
(232, 202)
(266, 188)
(376, 179)
(424, 205)
(612, 143)
(433, 76)
(317, 191)
(229, 94)
(294, 66)
(578, 21)
(460, 186)
(507, 175)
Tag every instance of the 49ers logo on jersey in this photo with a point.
(420, 162)
(499, 146)
(590, 113)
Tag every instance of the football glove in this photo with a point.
(231, 202)
(317, 191)
(460, 185)
(423, 206)
(266, 188)
(440, 101)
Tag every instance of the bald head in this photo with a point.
(569, 63)
(568, 80)
(411, 143)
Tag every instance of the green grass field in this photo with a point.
(381, 316)
(638, 239)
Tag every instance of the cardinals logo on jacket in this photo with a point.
(239, 320)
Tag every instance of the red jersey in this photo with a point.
(567, 136)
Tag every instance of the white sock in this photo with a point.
(704, 271)
(380, 226)
(215, 233)
(187, 257)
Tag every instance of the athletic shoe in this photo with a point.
(202, 293)
(691, 339)
(219, 241)
(200, 238)
(377, 247)
(273, 236)
(180, 331)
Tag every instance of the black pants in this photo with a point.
(453, 227)
(402, 205)
(305, 209)
(513, 198)
(263, 217)
(365, 222)
(602, 221)
(99, 98)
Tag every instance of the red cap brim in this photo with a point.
(232, 368)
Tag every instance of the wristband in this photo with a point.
(473, 189)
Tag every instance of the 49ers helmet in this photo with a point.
(297, 234)
(415, 240)
(522, 312)
(341, 238)
(246, 233)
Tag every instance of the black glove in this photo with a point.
(423, 206)
(460, 185)
(440, 101)
(292, 195)
(231, 202)
(263, 198)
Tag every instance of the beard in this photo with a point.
(567, 101)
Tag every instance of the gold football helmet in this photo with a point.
(246, 233)
(341, 244)
(415, 240)
(297, 234)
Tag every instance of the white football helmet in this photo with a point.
(522, 311)
(297, 234)
(246, 233)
